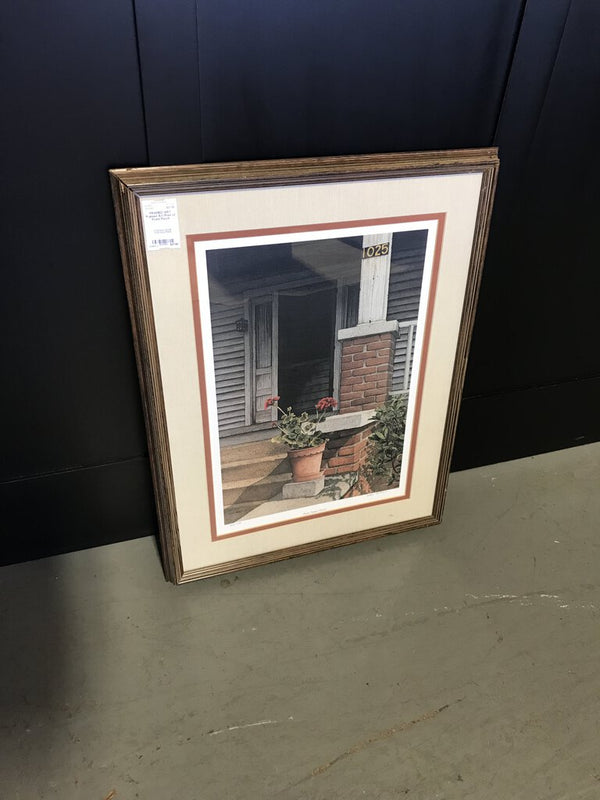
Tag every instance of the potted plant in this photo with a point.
(303, 438)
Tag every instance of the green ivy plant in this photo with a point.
(386, 442)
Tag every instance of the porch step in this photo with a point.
(251, 462)
(250, 451)
(254, 469)
(253, 490)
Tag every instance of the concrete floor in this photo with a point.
(461, 661)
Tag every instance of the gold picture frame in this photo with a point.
(287, 306)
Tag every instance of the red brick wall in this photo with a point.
(346, 451)
(367, 367)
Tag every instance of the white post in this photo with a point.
(374, 277)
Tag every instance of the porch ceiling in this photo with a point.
(237, 270)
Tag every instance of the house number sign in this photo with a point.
(376, 250)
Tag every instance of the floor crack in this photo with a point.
(379, 737)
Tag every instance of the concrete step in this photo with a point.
(255, 468)
(251, 490)
(336, 487)
(250, 451)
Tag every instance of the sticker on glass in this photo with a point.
(161, 223)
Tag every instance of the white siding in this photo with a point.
(230, 368)
(406, 275)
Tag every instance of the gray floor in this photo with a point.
(457, 662)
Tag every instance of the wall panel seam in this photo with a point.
(71, 469)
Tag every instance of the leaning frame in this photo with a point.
(225, 246)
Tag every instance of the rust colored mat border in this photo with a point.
(130, 186)
(329, 227)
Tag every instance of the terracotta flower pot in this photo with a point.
(306, 463)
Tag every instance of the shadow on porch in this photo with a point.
(253, 474)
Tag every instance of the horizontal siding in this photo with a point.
(400, 363)
(406, 277)
(228, 360)
(230, 365)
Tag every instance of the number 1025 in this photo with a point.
(375, 250)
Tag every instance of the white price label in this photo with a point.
(161, 223)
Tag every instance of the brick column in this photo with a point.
(367, 367)
(367, 370)
(346, 451)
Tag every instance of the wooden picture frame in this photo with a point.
(325, 301)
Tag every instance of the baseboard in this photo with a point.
(88, 507)
(527, 422)
(74, 510)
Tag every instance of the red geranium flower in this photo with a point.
(271, 401)
(325, 403)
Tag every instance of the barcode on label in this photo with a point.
(161, 222)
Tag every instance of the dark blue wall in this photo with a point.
(95, 86)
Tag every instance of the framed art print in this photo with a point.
(301, 330)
